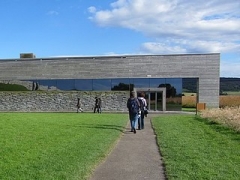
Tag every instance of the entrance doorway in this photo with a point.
(155, 97)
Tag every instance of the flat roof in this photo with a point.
(98, 57)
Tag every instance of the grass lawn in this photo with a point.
(56, 145)
(189, 109)
(196, 149)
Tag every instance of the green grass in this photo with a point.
(189, 109)
(196, 149)
(12, 87)
(56, 145)
(236, 93)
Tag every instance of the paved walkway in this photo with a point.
(135, 157)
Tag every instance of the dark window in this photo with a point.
(84, 84)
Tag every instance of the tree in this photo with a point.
(170, 90)
(123, 87)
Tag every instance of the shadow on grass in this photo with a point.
(100, 126)
(233, 134)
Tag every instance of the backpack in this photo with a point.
(133, 106)
(141, 104)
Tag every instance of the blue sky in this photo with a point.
(52, 28)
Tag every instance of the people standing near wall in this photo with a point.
(33, 86)
(96, 106)
(99, 110)
(143, 106)
(133, 109)
(79, 109)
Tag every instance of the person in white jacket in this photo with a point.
(143, 106)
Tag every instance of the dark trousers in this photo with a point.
(141, 121)
(97, 108)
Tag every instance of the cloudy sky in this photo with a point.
(112, 27)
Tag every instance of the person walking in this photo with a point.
(143, 107)
(96, 106)
(79, 109)
(133, 109)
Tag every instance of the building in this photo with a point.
(153, 74)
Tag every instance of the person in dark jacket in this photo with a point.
(133, 109)
(96, 106)
(99, 110)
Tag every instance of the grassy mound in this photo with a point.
(12, 87)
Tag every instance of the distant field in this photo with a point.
(228, 100)
(237, 93)
(231, 99)
(189, 94)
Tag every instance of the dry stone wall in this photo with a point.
(38, 101)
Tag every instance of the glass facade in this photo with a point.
(111, 84)
(174, 87)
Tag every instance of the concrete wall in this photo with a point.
(206, 67)
(37, 101)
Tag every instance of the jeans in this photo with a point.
(133, 120)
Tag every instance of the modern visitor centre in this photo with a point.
(54, 84)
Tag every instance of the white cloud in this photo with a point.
(52, 13)
(230, 69)
(161, 48)
(189, 46)
(92, 9)
(178, 25)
